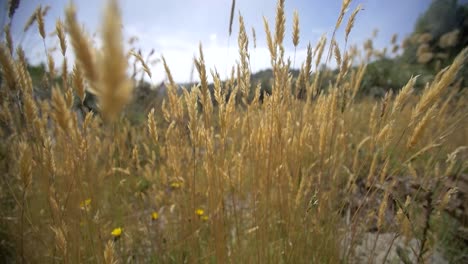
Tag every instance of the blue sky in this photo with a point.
(174, 28)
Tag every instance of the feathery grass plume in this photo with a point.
(142, 61)
(31, 19)
(254, 37)
(109, 253)
(231, 18)
(176, 110)
(40, 22)
(382, 211)
(404, 220)
(69, 98)
(114, 88)
(295, 37)
(8, 38)
(83, 49)
(12, 6)
(78, 83)
(420, 127)
(191, 99)
(21, 56)
(403, 95)
(60, 240)
(308, 62)
(280, 23)
(61, 35)
(385, 103)
(61, 112)
(271, 44)
(152, 128)
(351, 21)
(243, 42)
(218, 91)
(30, 109)
(8, 67)
(344, 7)
(336, 51)
(45, 10)
(319, 49)
(434, 91)
(205, 93)
(357, 83)
(24, 78)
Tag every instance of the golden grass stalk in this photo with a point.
(109, 253)
(319, 50)
(31, 19)
(336, 51)
(142, 61)
(78, 83)
(382, 211)
(40, 22)
(24, 78)
(420, 127)
(61, 35)
(61, 112)
(21, 56)
(403, 220)
(432, 94)
(205, 93)
(60, 240)
(243, 42)
(30, 108)
(83, 50)
(176, 110)
(152, 128)
(8, 67)
(114, 88)
(403, 95)
(270, 43)
(280, 23)
(295, 37)
(344, 7)
(351, 21)
(8, 38)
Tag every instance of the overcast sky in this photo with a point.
(174, 28)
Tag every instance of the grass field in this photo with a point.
(227, 175)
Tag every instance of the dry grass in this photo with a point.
(222, 176)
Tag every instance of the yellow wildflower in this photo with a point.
(176, 185)
(86, 204)
(116, 232)
(199, 212)
(154, 215)
(204, 218)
